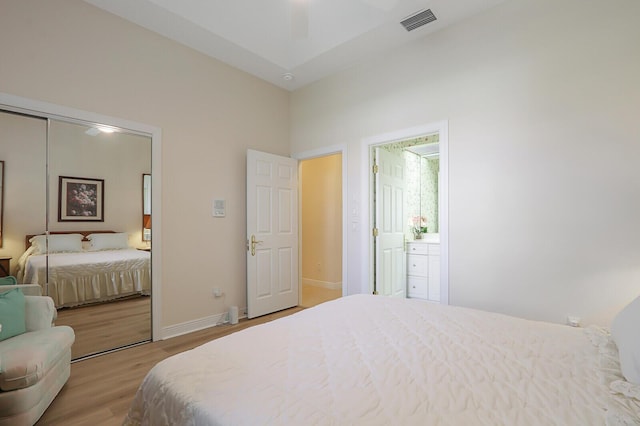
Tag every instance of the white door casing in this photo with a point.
(390, 201)
(366, 239)
(272, 233)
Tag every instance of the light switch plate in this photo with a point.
(219, 208)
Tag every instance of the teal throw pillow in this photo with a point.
(12, 315)
(9, 280)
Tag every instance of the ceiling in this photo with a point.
(290, 43)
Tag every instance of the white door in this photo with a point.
(390, 220)
(272, 233)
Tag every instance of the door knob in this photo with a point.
(253, 245)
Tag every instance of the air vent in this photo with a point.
(418, 19)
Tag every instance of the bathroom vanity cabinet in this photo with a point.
(423, 270)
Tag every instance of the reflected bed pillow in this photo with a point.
(57, 243)
(115, 241)
(625, 331)
(12, 313)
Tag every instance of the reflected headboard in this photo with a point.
(27, 244)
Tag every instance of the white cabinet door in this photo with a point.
(417, 265)
(417, 287)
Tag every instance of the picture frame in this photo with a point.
(80, 199)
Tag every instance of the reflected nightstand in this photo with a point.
(5, 266)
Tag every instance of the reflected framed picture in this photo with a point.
(80, 199)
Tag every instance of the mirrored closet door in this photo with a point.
(87, 249)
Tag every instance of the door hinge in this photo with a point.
(375, 168)
(375, 232)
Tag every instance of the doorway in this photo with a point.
(408, 213)
(321, 229)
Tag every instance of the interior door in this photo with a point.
(390, 206)
(272, 233)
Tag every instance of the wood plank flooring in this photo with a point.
(101, 389)
(108, 325)
(312, 295)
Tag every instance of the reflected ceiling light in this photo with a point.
(105, 129)
(94, 131)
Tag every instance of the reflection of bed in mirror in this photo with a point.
(85, 267)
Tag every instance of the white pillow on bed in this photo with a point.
(625, 331)
(115, 241)
(57, 243)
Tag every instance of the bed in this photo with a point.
(85, 267)
(374, 360)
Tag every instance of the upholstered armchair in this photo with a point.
(35, 363)
(27, 289)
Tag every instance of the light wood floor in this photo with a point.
(312, 295)
(105, 326)
(101, 389)
(108, 325)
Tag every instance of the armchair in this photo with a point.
(34, 365)
(27, 289)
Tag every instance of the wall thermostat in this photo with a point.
(219, 208)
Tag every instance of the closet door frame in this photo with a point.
(57, 112)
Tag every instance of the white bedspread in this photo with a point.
(91, 276)
(373, 360)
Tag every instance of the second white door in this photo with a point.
(272, 233)
(390, 206)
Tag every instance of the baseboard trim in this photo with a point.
(197, 325)
(323, 284)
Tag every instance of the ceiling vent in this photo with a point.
(418, 19)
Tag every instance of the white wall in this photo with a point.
(70, 53)
(542, 99)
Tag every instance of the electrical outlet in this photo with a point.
(217, 292)
(573, 321)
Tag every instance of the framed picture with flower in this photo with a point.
(80, 199)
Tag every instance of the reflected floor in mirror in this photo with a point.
(104, 326)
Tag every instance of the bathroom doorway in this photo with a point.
(408, 205)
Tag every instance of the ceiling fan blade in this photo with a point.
(299, 19)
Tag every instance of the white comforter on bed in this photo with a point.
(373, 360)
(90, 276)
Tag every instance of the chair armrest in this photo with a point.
(39, 312)
(27, 289)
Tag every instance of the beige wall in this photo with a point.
(321, 201)
(23, 150)
(119, 159)
(72, 54)
(542, 100)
